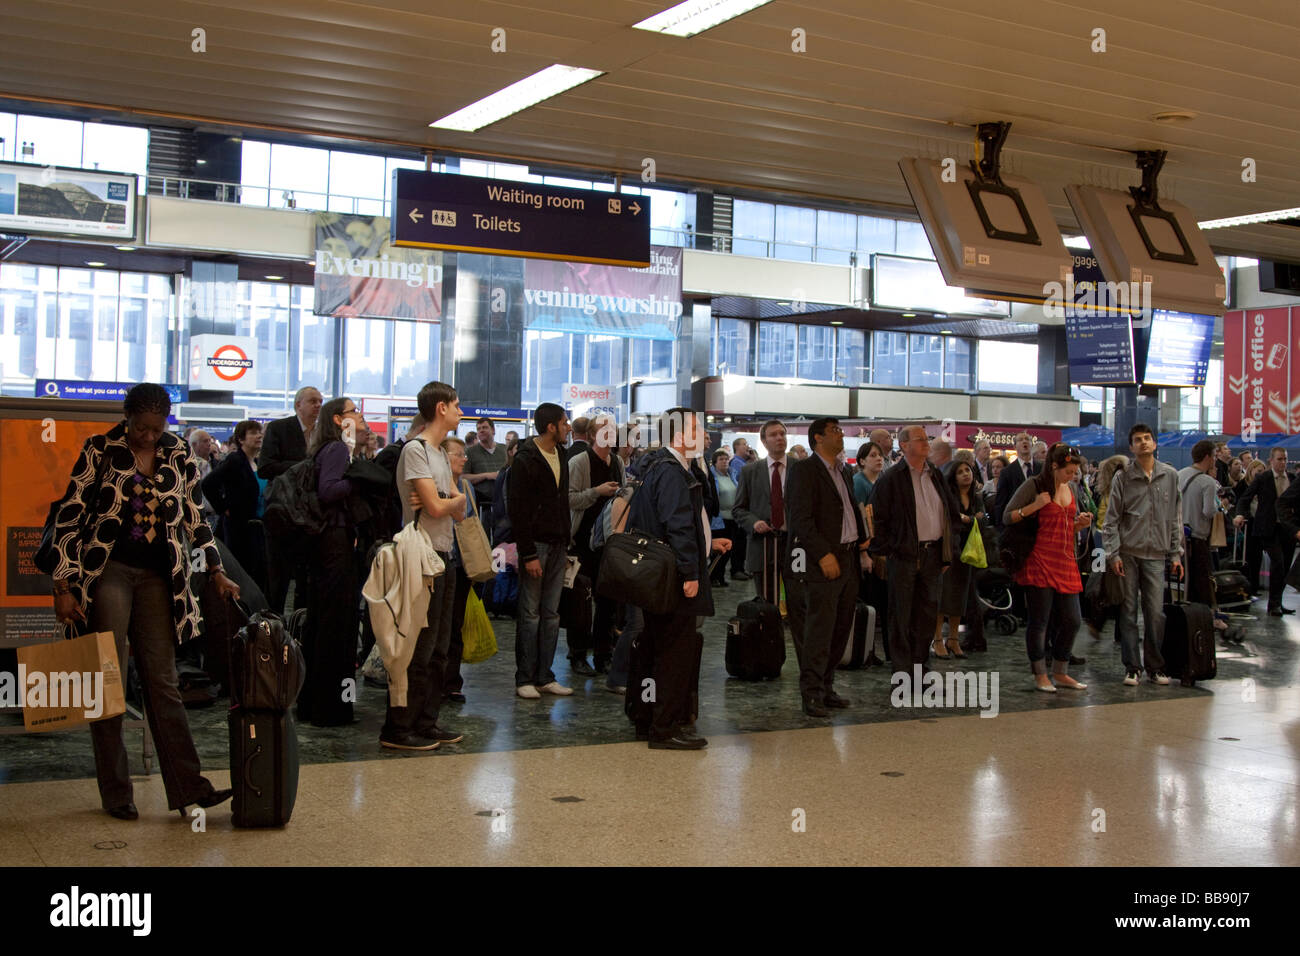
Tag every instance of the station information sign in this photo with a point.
(499, 217)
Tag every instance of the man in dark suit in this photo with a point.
(915, 515)
(1013, 476)
(826, 553)
(765, 526)
(1278, 537)
(670, 506)
(284, 445)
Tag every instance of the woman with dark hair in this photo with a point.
(990, 490)
(333, 617)
(959, 579)
(870, 462)
(122, 539)
(235, 492)
(1050, 575)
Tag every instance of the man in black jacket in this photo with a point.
(1277, 537)
(1013, 476)
(826, 555)
(284, 444)
(537, 497)
(670, 506)
(915, 515)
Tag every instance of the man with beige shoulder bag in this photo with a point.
(1202, 522)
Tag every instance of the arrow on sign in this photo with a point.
(635, 207)
(415, 215)
(1236, 384)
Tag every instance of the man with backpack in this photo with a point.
(595, 475)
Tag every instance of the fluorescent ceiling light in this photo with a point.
(95, 264)
(695, 16)
(1276, 214)
(529, 91)
(273, 278)
(125, 248)
(1077, 242)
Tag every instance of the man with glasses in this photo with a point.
(914, 517)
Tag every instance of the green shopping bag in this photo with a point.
(973, 554)
(478, 639)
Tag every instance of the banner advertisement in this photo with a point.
(63, 201)
(36, 459)
(1260, 388)
(606, 300)
(360, 273)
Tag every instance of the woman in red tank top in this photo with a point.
(1050, 575)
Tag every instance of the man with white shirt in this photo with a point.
(670, 507)
(982, 452)
(827, 542)
(284, 444)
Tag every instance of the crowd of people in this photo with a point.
(894, 531)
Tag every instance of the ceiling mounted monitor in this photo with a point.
(991, 233)
(1153, 245)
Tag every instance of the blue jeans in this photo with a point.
(1147, 576)
(537, 630)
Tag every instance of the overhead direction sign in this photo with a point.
(499, 217)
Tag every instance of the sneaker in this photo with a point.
(1133, 678)
(527, 691)
(409, 742)
(556, 688)
(1160, 677)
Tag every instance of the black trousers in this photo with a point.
(914, 590)
(670, 657)
(600, 641)
(1200, 572)
(289, 562)
(828, 608)
(875, 592)
(974, 619)
(739, 545)
(332, 627)
(452, 682)
(1281, 549)
(425, 672)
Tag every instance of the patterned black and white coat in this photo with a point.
(81, 558)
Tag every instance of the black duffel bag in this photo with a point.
(640, 570)
(267, 668)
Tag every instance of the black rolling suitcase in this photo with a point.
(863, 639)
(1188, 647)
(267, 671)
(756, 636)
(263, 767)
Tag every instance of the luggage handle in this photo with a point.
(248, 777)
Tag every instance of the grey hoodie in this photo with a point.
(1145, 516)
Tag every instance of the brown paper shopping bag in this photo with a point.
(67, 683)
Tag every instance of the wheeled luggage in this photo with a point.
(263, 767)
(756, 636)
(863, 640)
(1188, 647)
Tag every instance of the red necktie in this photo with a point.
(778, 499)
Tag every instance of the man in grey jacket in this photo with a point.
(1200, 492)
(1143, 529)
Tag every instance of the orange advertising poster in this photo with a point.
(36, 459)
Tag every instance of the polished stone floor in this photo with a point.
(1113, 774)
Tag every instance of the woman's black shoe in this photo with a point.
(126, 811)
(214, 798)
(456, 697)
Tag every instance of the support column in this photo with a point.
(1131, 408)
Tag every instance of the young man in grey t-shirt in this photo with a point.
(424, 475)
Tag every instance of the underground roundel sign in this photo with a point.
(229, 362)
